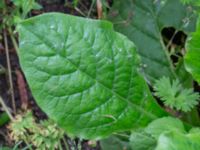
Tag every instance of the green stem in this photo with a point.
(60, 145)
(6, 109)
(65, 143)
(14, 41)
(29, 147)
(78, 10)
(90, 10)
(122, 135)
(168, 58)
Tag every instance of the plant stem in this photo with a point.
(122, 135)
(9, 72)
(65, 143)
(14, 41)
(168, 58)
(90, 10)
(2, 69)
(60, 145)
(6, 109)
(29, 147)
(78, 10)
(171, 40)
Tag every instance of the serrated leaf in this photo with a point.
(192, 57)
(174, 95)
(84, 75)
(143, 21)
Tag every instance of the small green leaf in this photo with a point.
(174, 95)
(26, 6)
(4, 118)
(84, 75)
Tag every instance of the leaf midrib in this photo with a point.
(140, 109)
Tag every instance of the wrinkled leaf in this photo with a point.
(84, 75)
(192, 57)
(146, 139)
(143, 21)
(161, 125)
(179, 141)
(166, 134)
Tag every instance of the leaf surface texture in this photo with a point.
(84, 75)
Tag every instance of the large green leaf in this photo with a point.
(178, 141)
(192, 57)
(166, 134)
(142, 21)
(161, 125)
(84, 75)
(146, 139)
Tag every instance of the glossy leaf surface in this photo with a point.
(84, 75)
